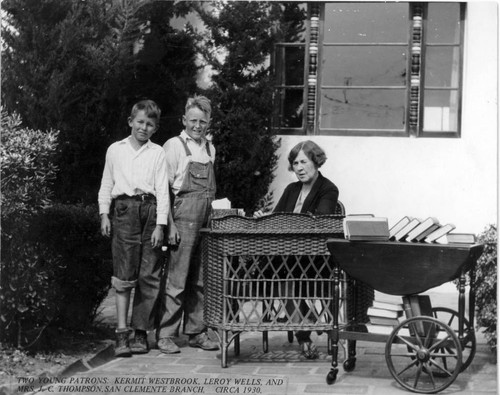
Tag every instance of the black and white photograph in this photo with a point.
(249, 197)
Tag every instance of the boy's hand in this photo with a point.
(157, 237)
(173, 234)
(105, 225)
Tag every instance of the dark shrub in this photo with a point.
(72, 232)
(58, 275)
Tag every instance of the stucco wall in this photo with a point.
(455, 180)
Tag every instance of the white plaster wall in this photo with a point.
(454, 180)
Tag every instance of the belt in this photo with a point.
(144, 197)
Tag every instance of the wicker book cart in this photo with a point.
(255, 269)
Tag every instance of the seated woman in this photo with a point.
(313, 194)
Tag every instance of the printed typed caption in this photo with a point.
(151, 384)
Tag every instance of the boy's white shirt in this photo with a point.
(177, 160)
(131, 172)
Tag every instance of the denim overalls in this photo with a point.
(184, 283)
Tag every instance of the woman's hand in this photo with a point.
(259, 213)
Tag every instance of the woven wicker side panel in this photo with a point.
(260, 286)
(212, 278)
(219, 251)
(359, 297)
(275, 244)
(280, 222)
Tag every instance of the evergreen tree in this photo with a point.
(78, 67)
(238, 44)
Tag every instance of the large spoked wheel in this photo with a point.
(450, 317)
(414, 353)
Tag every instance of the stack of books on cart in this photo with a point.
(428, 230)
(366, 227)
(385, 313)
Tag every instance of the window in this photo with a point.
(290, 62)
(373, 69)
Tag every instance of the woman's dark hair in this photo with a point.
(312, 150)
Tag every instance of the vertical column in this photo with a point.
(416, 62)
(312, 78)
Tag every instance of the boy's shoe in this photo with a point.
(139, 344)
(122, 348)
(202, 341)
(167, 346)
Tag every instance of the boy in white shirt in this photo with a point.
(135, 179)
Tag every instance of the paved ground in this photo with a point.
(196, 371)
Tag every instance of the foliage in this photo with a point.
(58, 275)
(486, 286)
(53, 266)
(78, 67)
(266, 204)
(72, 232)
(27, 167)
(27, 283)
(237, 45)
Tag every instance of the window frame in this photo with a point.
(279, 88)
(408, 130)
(421, 133)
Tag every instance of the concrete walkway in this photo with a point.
(280, 371)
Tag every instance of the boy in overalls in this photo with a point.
(190, 158)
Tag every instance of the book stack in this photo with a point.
(365, 228)
(416, 230)
(385, 314)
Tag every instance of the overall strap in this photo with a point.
(208, 149)
(188, 152)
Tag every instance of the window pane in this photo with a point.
(443, 23)
(366, 22)
(290, 103)
(294, 61)
(441, 111)
(356, 66)
(363, 109)
(441, 67)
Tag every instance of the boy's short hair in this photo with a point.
(312, 150)
(200, 102)
(149, 107)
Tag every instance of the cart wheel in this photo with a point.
(331, 377)
(414, 354)
(450, 317)
(349, 364)
(290, 336)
